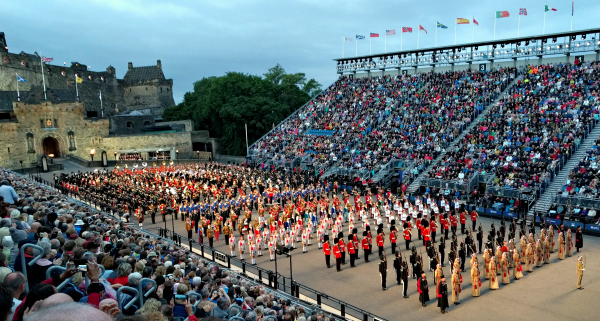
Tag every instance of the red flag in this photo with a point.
(475, 21)
(421, 28)
(406, 29)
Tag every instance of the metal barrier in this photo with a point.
(581, 201)
(130, 303)
(143, 294)
(32, 262)
(61, 269)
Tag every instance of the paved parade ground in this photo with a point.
(549, 293)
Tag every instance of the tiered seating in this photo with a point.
(340, 117)
(535, 126)
(420, 128)
(584, 179)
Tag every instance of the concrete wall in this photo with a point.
(180, 141)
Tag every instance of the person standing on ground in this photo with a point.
(398, 267)
(383, 271)
(404, 276)
(442, 295)
(337, 254)
(456, 286)
(580, 268)
(423, 289)
(475, 279)
(578, 239)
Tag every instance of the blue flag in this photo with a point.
(439, 25)
(20, 79)
(359, 37)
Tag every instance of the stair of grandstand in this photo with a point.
(548, 197)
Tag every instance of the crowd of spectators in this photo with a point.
(584, 179)
(341, 116)
(98, 254)
(538, 124)
(421, 127)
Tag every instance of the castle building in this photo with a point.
(80, 111)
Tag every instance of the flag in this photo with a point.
(78, 79)
(347, 39)
(475, 21)
(462, 21)
(359, 37)
(439, 25)
(100, 94)
(21, 79)
(572, 7)
(546, 9)
(522, 12)
(502, 14)
(47, 60)
(374, 35)
(421, 28)
(406, 29)
(390, 32)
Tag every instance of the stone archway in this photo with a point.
(50, 146)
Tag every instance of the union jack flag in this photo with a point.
(522, 12)
(47, 60)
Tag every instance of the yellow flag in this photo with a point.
(79, 80)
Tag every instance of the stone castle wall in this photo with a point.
(23, 138)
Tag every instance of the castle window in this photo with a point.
(92, 114)
(168, 89)
(129, 124)
(147, 123)
(160, 89)
(146, 88)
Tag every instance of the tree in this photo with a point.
(223, 105)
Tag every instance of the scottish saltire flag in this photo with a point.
(21, 79)
(359, 37)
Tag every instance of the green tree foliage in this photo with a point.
(224, 104)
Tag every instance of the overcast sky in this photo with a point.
(202, 38)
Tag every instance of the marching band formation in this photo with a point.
(257, 210)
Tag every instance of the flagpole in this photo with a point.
(18, 94)
(544, 29)
(455, 33)
(401, 39)
(418, 36)
(519, 25)
(43, 78)
(572, 11)
(385, 43)
(246, 127)
(343, 39)
(369, 44)
(436, 28)
(473, 30)
(495, 18)
(101, 108)
(76, 89)
(356, 55)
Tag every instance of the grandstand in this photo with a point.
(508, 119)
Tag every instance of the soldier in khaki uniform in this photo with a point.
(493, 277)
(226, 232)
(475, 279)
(580, 269)
(561, 246)
(518, 269)
(456, 286)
